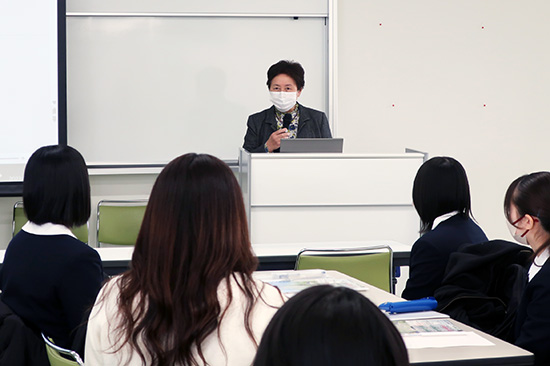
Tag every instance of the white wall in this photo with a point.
(464, 78)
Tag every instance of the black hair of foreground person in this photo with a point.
(56, 187)
(440, 186)
(326, 325)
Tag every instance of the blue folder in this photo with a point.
(428, 303)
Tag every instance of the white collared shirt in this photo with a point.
(47, 229)
(438, 220)
(538, 263)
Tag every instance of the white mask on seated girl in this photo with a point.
(520, 238)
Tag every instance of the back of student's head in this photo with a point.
(56, 187)
(530, 194)
(327, 325)
(195, 220)
(440, 186)
(194, 235)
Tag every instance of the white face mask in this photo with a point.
(520, 238)
(283, 101)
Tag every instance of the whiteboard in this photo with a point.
(145, 89)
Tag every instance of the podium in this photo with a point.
(338, 198)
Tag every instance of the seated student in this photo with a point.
(49, 278)
(326, 325)
(189, 297)
(527, 210)
(441, 196)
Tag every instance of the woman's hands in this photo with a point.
(274, 141)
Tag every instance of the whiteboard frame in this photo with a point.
(331, 39)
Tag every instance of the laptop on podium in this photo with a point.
(315, 145)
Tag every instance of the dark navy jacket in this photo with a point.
(19, 344)
(532, 328)
(483, 285)
(430, 254)
(51, 281)
(312, 124)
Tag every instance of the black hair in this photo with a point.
(326, 325)
(290, 68)
(530, 194)
(56, 188)
(440, 186)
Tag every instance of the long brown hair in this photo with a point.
(194, 236)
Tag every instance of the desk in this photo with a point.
(271, 256)
(283, 255)
(501, 353)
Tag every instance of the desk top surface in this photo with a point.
(264, 250)
(500, 353)
(292, 249)
(124, 253)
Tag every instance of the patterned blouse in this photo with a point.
(293, 128)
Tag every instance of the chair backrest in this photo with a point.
(118, 222)
(20, 219)
(372, 265)
(55, 354)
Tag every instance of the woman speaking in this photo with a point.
(286, 118)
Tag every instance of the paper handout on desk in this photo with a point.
(436, 333)
(292, 282)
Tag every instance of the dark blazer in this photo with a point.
(312, 124)
(19, 344)
(483, 285)
(430, 254)
(50, 281)
(532, 328)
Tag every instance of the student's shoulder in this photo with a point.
(80, 249)
(542, 278)
(426, 241)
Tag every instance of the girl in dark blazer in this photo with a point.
(441, 196)
(527, 210)
(49, 278)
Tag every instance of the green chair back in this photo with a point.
(20, 219)
(373, 268)
(56, 359)
(118, 222)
